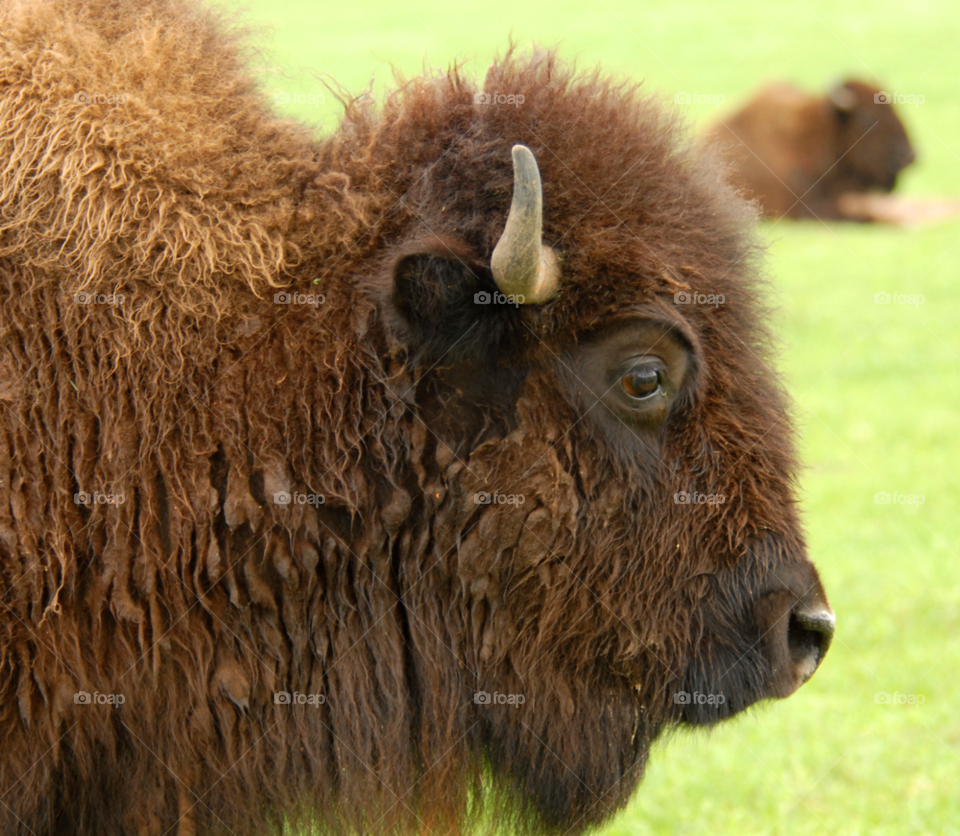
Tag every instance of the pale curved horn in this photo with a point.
(521, 264)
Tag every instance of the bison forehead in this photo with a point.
(628, 206)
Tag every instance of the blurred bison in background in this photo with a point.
(801, 156)
(364, 481)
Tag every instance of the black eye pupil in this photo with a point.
(641, 383)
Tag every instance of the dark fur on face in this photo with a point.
(201, 398)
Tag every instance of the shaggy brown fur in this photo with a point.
(799, 155)
(199, 398)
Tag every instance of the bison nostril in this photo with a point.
(797, 628)
(808, 636)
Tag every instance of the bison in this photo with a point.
(371, 482)
(804, 156)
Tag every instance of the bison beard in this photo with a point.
(143, 169)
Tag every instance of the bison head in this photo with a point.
(601, 490)
(872, 144)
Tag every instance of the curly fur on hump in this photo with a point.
(139, 160)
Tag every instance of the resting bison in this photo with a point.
(307, 517)
(798, 155)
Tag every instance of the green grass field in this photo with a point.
(876, 387)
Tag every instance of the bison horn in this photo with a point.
(522, 266)
(843, 98)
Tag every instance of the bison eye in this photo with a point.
(640, 384)
(628, 375)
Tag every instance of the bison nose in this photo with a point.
(797, 630)
(809, 633)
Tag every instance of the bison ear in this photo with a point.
(842, 98)
(435, 287)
